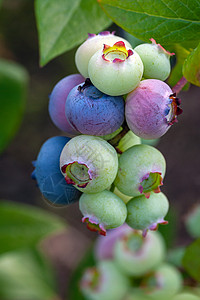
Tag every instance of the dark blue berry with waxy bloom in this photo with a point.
(57, 101)
(91, 112)
(48, 175)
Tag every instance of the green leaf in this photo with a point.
(26, 275)
(191, 67)
(74, 286)
(13, 87)
(62, 24)
(191, 260)
(24, 225)
(167, 21)
(177, 74)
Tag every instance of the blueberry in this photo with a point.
(156, 60)
(165, 281)
(151, 109)
(47, 173)
(91, 45)
(136, 255)
(104, 282)
(102, 211)
(57, 101)
(141, 170)
(89, 163)
(91, 112)
(115, 70)
(146, 214)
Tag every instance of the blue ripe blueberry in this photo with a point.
(91, 45)
(146, 214)
(57, 101)
(141, 170)
(164, 283)
(136, 255)
(115, 70)
(104, 247)
(91, 112)
(151, 109)
(104, 282)
(48, 176)
(89, 163)
(156, 60)
(102, 211)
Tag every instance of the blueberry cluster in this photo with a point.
(131, 267)
(118, 98)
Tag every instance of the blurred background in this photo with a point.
(180, 145)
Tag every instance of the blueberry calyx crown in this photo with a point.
(89, 90)
(151, 182)
(154, 226)
(116, 53)
(161, 48)
(174, 110)
(133, 242)
(93, 225)
(76, 174)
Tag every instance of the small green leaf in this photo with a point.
(26, 275)
(191, 260)
(24, 225)
(191, 67)
(167, 21)
(176, 74)
(74, 286)
(62, 25)
(13, 87)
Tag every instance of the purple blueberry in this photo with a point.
(57, 101)
(151, 109)
(91, 112)
(47, 173)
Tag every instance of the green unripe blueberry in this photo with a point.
(144, 214)
(156, 60)
(136, 255)
(89, 163)
(115, 70)
(102, 211)
(104, 282)
(91, 46)
(163, 283)
(141, 170)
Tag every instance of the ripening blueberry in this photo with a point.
(141, 170)
(156, 60)
(146, 214)
(57, 101)
(91, 45)
(165, 282)
(136, 255)
(151, 109)
(102, 211)
(48, 176)
(115, 70)
(89, 163)
(104, 247)
(91, 112)
(104, 282)
(192, 221)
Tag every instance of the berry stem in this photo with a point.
(180, 84)
(115, 141)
